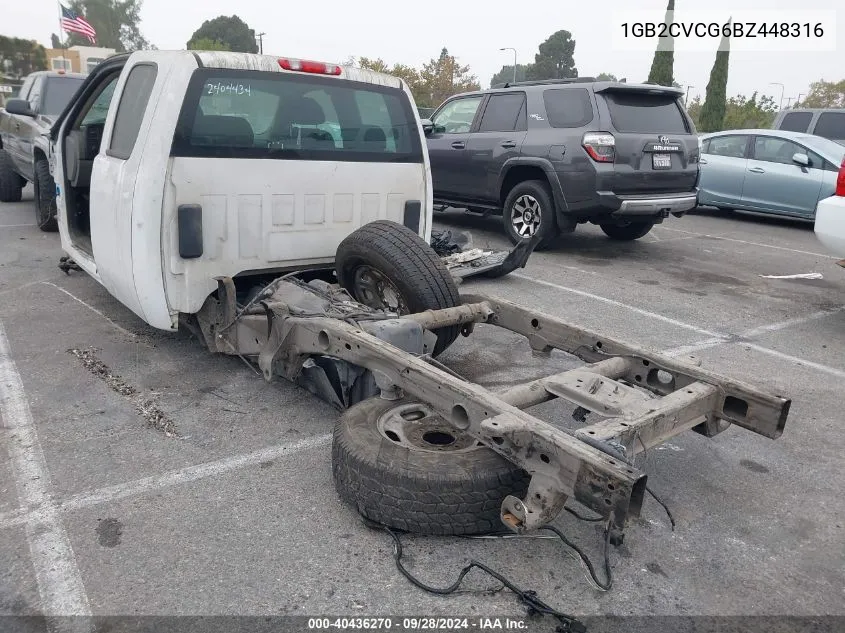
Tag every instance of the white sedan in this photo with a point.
(830, 219)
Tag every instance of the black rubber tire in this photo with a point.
(45, 198)
(11, 185)
(408, 262)
(540, 191)
(627, 232)
(419, 491)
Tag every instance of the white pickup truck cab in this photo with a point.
(174, 168)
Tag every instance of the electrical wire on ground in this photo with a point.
(567, 623)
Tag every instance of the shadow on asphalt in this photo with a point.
(754, 218)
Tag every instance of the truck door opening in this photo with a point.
(81, 146)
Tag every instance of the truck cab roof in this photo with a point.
(57, 73)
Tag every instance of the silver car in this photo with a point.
(768, 171)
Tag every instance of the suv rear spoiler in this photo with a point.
(615, 86)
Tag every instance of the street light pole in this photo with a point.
(508, 48)
(260, 37)
(686, 99)
(788, 101)
(780, 103)
(798, 100)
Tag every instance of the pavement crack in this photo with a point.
(146, 407)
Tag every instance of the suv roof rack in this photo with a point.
(543, 82)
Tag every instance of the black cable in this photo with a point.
(665, 507)
(568, 623)
(603, 586)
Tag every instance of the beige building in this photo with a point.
(77, 59)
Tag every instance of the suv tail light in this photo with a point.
(840, 180)
(307, 66)
(601, 146)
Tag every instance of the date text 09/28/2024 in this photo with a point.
(417, 623)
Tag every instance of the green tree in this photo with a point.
(506, 74)
(606, 77)
(117, 23)
(694, 111)
(207, 44)
(228, 30)
(55, 42)
(443, 77)
(825, 94)
(409, 75)
(378, 65)
(715, 102)
(664, 57)
(19, 57)
(555, 59)
(743, 113)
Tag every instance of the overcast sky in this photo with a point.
(473, 31)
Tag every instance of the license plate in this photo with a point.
(661, 161)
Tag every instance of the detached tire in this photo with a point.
(385, 265)
(627, 232)
(11, 184)
(420, 474)
(45, 198)
(529, 211)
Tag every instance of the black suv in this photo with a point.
(549, 155)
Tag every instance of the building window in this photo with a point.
(92, 62)
(60, 63)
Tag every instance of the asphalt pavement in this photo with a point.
(229, 507)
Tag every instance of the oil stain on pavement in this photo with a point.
(109, 532)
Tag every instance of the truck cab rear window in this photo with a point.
(58, 93)
(645, 113)
(259, 114)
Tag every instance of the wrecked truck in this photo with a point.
(281, 210)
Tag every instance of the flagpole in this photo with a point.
(62, 38)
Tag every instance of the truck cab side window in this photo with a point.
(131, 109)
(25, 88)
(34, 97)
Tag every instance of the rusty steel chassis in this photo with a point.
(644, 398)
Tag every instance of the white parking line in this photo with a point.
(13, 226)
(714, 338)
(833, 371)
(164, 480)
(652, 315)
(686, 350)
(22, 286)
(92, 308)
(56, 573)
(774, 327)
(733, 239)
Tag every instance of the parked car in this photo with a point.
(768, 171)
(826, 122)
(830, 218)
(549, 155)
(24, 146)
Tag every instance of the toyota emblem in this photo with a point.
(663, 139)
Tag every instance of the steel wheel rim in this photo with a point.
(526, 216)
(374, 289)
(416, 427)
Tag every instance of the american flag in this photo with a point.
(72, 22)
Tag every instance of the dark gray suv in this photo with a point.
(549, 155)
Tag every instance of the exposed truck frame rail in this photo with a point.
(643, 398)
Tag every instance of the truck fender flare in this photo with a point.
(561, 206)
